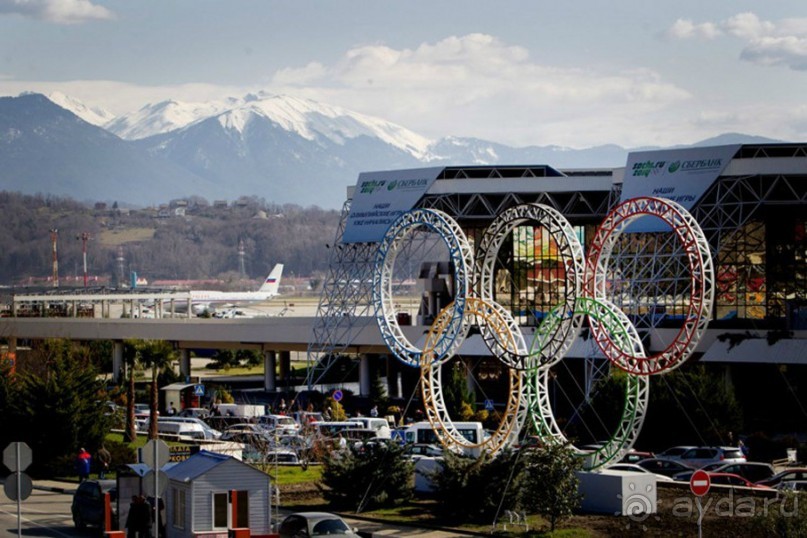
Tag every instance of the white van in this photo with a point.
(279, 423)
(333, 428)
(422, 433)
(180, 429)
(198, 425)
(380, 425)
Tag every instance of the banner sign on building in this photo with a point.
(381, 197)
(680, 175)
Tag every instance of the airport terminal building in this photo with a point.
(750, 201)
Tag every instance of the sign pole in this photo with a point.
(19, 489)
(700, 517)
(156, 495)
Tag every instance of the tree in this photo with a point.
(459, 400)
(130, 358)
(56, 385)
(476, 488)
(157, 355)
(366, 476)
(547, 483)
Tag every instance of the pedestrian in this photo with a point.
(374, 411)
(104, 460)
(342, 442)
(83, 462)
(743, 448)
(171, 411)
(138, 522)
(282, 407)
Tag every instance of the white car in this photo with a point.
(632, 467)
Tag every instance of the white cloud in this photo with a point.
(56, 11)
(766, 43)
(686, 29)
(476, 85)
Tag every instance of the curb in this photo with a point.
(56, 489)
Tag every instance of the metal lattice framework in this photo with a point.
(460, 253)
(701, 271)
(569, 251)
(346, 299)
(479, 312)
(624, 336)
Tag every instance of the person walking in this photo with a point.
(104, 461)
(171, 410)
(83, 462)
(138, 522)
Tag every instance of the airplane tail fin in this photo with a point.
(272, 282)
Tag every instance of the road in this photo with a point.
(46, 513)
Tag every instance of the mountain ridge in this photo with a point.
(283, 148)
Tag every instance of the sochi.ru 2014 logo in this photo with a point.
(673, 168)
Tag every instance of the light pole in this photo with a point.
(84, 236)
(54, 235)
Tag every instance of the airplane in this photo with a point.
(205, 300)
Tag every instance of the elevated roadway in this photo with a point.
(276, 337)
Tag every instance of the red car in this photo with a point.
(729, 479)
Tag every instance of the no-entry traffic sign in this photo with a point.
(700, 483)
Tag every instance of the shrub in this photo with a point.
(367, 476)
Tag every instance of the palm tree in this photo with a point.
(130, 355)
(157, 355)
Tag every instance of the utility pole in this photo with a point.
(241, 254)
(54, 235)
(84, 236)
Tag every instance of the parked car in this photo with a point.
(423, 449)
(88, 502)
(795, 473)
(792, 485)
(634, 456)
(665, 467)
(751, 471)
(729, 479)
(674, 452)
(632, 467)
(279, 423)
(195, 412)
(695, 458)
(315, 524)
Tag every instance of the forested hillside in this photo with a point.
(182, 239)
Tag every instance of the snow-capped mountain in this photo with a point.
(91, 114)
(310, 120)
(281, 148)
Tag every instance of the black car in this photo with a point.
(662, 466)
(88, 502)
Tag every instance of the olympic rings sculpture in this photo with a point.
(701, 270)
(569, 250)
(625, 336)
(585, 296)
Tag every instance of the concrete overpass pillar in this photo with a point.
(365, 380)
(185, 363)
(285, 366)
(269, 374)
(393, 377)
(117, 361)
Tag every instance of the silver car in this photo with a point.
(315, 524)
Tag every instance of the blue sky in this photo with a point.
(520, 72)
